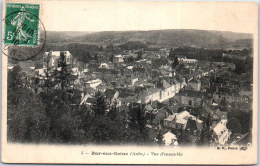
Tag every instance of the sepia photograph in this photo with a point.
(114, 89)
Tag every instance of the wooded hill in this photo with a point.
(167, 38)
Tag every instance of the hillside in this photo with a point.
(166, 38)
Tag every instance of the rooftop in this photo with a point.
(191, 93)
(220, 127)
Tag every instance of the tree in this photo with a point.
(171, 55)
(26, 119)
(58, 103)
(62, 76)
(110, 47)
(83, 116)
(111, 58)
(139, 55)
(160, 62)
(175, 63)
(244, 118)
(112, 114)
(223, 102)
(48, 84)
(66, 126)
(133, 45)
(205, 136)
(137, 124)
(110, 128)
(99, 106)
(15, 83)
(183, 137)
(35, 84)
(103, 130)
(234, 125)
(159, 138)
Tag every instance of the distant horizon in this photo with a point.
(150, 30)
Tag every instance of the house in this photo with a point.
(127, 99)
(86, 93)
(166, 73)
(207, 108)
(214, 111)
(94, 83)
(177, 85)
(89, 90)
(188, 61)
(194, 84)
(205, 82)
(180, 57)
(194, 125)
(40, 72)
(101, 87)
(75, 71)
(149, 95)
(218, 114)
(85, 70)
(118, 59)
(170, 139)
(132, 80)
(90, 101)
(112, 96)
(179, 80)
(156, 116)
(191, 98)
(130, 68)
(142, 83)
(104, 66)
(167, 91)
(52, 58)
(183, 120)
(165, 67)
(220, 133)
(84, 99)
(229, 95)
(177, 120)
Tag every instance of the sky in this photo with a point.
(129, 15)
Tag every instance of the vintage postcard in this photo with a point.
(129, 82)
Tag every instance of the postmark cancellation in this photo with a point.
(24, 33)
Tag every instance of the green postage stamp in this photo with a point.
(21, 24)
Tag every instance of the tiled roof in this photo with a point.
(149, 107)
(161, 114)
(90, 90)
(109, 93)
(150, 91)
(191, 93)
(221, 115)
(220, 127)
(124, 95)
(90, 100)
(165, 84)
(38, 66)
